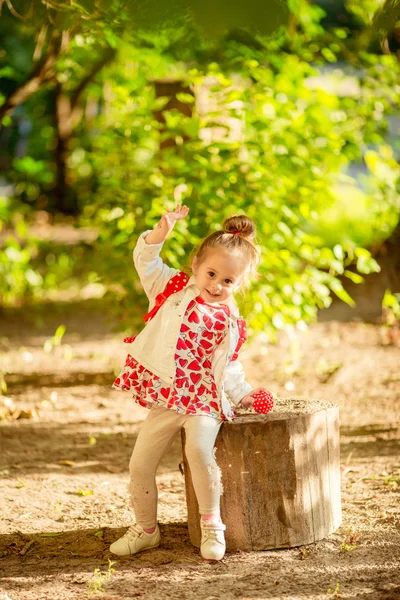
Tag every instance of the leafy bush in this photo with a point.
(270, 145)
(17, 276)
(30, 267)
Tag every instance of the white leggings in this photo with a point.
(155, 438)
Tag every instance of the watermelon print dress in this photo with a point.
(193, 391)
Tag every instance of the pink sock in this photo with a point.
(213, 518)
(151, 530)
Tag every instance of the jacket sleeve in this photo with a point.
(235, 384)
(153, 273)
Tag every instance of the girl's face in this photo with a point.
(218, 275)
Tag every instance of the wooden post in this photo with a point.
(280, 475)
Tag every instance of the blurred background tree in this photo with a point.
(112, 112)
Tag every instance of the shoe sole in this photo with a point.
(212, 559)
(138, 552)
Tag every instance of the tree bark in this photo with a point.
(68, 113)
(280, 475)
(65, 200)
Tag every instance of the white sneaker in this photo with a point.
(135, 540)
(212, 540)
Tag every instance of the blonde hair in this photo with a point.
(237, 234)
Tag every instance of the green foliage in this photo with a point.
(390, 309)
(17, 276)
(347, 547)
(99, 579)
(30, 267)
(270, 146)
(251, 129)
(365, 10)
(55, 340)
(363, 216)
(335, 592)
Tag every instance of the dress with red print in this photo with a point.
(193, 391)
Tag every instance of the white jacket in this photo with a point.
(154, 347)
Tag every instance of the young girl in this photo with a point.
(181, 365)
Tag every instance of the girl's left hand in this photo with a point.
(248, 399)
(166, 224)
(169, 219)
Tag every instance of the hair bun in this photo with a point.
(240, 224)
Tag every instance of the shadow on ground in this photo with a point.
(175, 570)
(89, 319)
(81, 549)
(51, 444)
(370, 441)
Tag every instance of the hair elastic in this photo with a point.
(235, 232)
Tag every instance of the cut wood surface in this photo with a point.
(280, 475)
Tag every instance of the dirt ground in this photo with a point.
(63, 467)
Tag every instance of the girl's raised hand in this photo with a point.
(166, 224)
(168, 220)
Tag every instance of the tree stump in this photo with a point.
(280, 475)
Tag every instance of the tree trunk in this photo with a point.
(65, 199)
(68, 114)
(280, 475)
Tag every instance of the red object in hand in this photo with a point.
(263, 403)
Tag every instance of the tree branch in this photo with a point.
(14, 12)
(97, 67)
(383, 23)
(41, 72)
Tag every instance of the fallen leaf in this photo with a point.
(85, 492)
